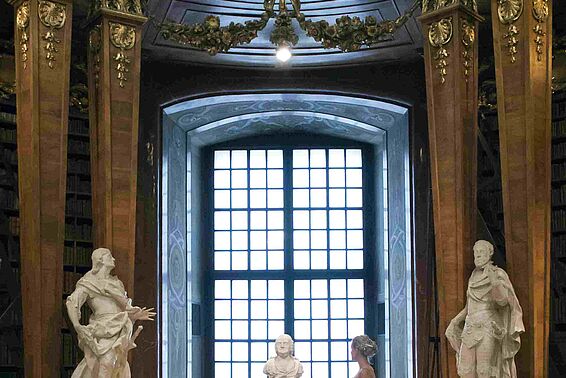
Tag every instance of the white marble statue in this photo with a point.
(492, 322)
(284, 365)
(108, 336)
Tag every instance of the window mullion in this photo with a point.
(288, 238)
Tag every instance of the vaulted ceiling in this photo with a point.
(406, 43)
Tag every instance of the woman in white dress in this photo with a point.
(362, 348)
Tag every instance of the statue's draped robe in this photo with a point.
(480, 290)
(272, 372)
(108, 332)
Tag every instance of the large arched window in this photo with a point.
(284, 213)
(289, 253)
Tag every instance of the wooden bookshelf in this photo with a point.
(11, 338)
(78, 230)
(558, 240)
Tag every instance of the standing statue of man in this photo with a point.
(284, 365)
(108, 337)
(487, 344)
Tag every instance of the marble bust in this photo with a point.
(486, 333)
(108, 337)
(284, 365)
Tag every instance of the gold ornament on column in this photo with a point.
(540, 13)
(439, 34)
(51, 15)
(22, 21)
(508, 12)
(124, 38)
(468, 38)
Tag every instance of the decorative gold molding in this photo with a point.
(468, 39)
(540, 13)
(440, 34)
(124, 38)
(125, 6)
(22, 21)
(508, 12)
(94, 44)
(52, 15)
(432, 5)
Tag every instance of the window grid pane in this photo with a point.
(326, 233)
(327, 209)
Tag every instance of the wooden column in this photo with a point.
(43, 52)
(114, 74)
(522, 43)
(451, 80)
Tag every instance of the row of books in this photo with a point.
(9, 156)
(7, 117)
(8, 355)
(69, 281)
(558, 171)
(559, 128)
(78, 126)
(14, 225)
(559, 109)
(76, 184)
(559, 195)
(559, 309)
(78, 231)
(491, 200)
(8, 135)
(78, 166)
(71, 353)
(559, 151)
(558, 245)
(79, 207)
(79, 147)
(5, 177)
(79, 256)
(8, 199)
(558, 220)
(11, 314)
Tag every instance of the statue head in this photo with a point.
(483, 251)
(284, 346)
(363, 346)
(102, 257)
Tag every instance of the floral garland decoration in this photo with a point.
(347, 34)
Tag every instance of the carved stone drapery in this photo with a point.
(43, 41)
(451, 55)
(522, 46)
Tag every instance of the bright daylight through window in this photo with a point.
(288, 257)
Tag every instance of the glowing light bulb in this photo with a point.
(283, 53)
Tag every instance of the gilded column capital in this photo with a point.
(123, 7)
(434, 5)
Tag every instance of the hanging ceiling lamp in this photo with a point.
(347, 34)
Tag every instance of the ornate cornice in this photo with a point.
(434, 5)
(131, 7)
(347, 34)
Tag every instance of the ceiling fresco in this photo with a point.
(405, 44)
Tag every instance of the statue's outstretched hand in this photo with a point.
(144, 314)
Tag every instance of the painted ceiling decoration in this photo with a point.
(247, 32)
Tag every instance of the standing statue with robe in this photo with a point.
(486, 333)
(108, 337)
